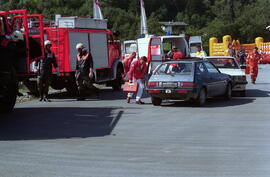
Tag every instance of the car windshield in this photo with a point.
(174, 69)
(224, 62)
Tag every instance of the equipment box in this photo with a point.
(77, 22)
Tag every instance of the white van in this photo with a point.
(155, 48)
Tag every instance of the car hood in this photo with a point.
(232, 72)
(169, 78)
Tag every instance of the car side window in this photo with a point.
(200, 68)
(211, 68)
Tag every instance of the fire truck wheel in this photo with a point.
(57, 83)
(117, 83)
(8, 97)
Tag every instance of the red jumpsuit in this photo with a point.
(127, 62)
(178, 56)
(253, 64)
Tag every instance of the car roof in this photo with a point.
(223, 57)
(186, 60)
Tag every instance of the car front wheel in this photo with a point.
(228, 94)
(201, 99)
(156, 101)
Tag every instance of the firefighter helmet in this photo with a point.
(47, 42)
(17, 35)
(80, 46)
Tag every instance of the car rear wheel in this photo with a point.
(156, 101)
(201, 99)
(228, 94)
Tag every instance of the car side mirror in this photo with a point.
(243, 67)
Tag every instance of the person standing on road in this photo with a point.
(84, 72)
(253, 60)
(243, 56)
(44, 71)
(137, 74)
(200, 53)
(127, 63)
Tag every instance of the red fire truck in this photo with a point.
(101, 42)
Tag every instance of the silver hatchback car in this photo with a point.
(188, 79)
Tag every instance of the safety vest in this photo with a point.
(200, 54)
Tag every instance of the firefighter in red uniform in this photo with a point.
(127, 63)
(84, 72)
(137, 73)
(253, 60)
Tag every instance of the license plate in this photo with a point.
(168, 91)
(169, 84)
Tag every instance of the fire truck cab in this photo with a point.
(17, 56)
(156, 48)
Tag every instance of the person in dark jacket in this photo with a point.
(84, 72)
(44, 71)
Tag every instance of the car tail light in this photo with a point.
(152, 84)
(153, 91)
(187, 84)
(182, 91)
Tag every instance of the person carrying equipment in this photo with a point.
(137, 74)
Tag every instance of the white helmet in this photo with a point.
(17, 35)
(80, 46)
(47, 42)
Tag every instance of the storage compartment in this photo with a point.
(77, 22)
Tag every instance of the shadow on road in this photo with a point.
(251, 96)
(56, 123)
(257, 93)
(105, 94)
(211, 103)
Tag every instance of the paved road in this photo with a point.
(108, 138)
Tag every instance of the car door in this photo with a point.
(218, 83)
(202, 77)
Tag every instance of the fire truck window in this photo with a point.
(2, 27)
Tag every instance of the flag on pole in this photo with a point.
(144, 29)
(97, 11)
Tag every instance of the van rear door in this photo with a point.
(155, 52)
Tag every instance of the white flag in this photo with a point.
(144, 29)
(97, 11)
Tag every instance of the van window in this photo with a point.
(167, 47)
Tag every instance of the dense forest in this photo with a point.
(243, 19)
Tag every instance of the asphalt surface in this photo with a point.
(106, 137)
